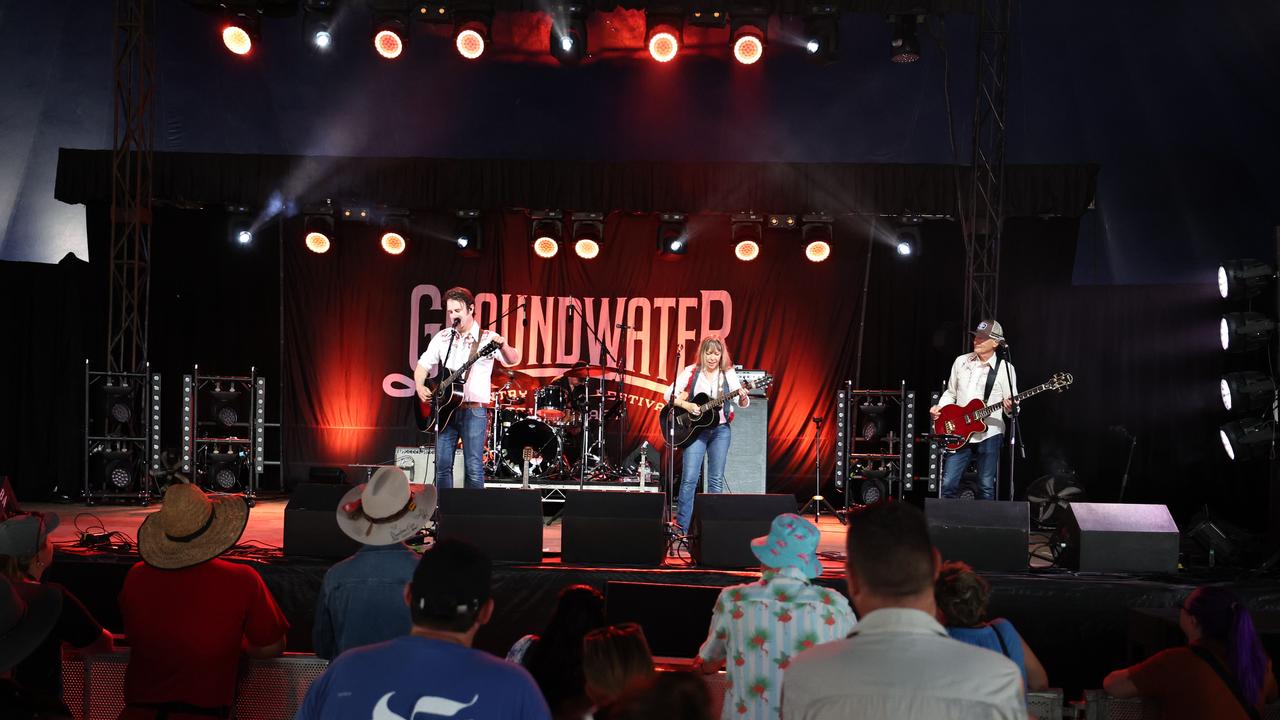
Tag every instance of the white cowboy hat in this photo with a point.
(386, 510)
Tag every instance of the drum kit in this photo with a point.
(561, 421)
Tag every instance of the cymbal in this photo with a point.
(518, 380)
(589, 371)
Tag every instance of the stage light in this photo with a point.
(241, 31)
(748, 42)
(1247, 439)
(871, 421)
(588, 234)
(468, 235)
(746, 230)
(393, 243)
(673, 242)
(117, 467)
(471, 37)
(907, 242)
(904, 247)
(388, 43)
(821, 34)
(904, 46)
(816, 233)
(390, 31)
(662, 37)
(1243, 331)
(239, 224)
(782, 222)
(223, 472)
(546, 231)
(317, 23)
(395, 230)
(568, 41)
(226, 412)
(1243, 278)
(1247, 391)
(317, 228)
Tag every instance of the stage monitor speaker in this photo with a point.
(311, 523)
(747, 462)
(987, 535)
(505, 524)
(1119, 537)
(420, 463)
(725, 524)
(616, 528)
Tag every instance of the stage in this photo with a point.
(1081, 625)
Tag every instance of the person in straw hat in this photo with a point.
(189, 614)
(758, 627)
(362, 598)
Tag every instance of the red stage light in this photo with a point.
(817, 251)
(317, 242)
(546, 247)
(470, 41)
(663, 44)
(586, 248)
(747, 250)
(237, 39)
(748, 48)
(388, 44)
(393, 242)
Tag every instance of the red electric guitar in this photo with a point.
(449, 392)
(961, 422)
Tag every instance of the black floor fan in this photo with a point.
(1049, 497)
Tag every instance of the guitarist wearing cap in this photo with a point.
(462, 342)
(712, 377)
(982, 375)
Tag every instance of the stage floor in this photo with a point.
(265, 529)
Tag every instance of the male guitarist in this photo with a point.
(984, 375)
(458, 342)
(712, 377)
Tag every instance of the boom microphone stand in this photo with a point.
(608, 357)
(673, 538)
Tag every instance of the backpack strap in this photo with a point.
(1227, 678)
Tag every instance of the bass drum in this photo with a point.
(538, 437)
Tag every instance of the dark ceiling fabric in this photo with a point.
(435, 183)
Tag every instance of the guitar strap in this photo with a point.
(992, 374)
(475, 350)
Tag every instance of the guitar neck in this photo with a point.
(466, 366)
(988, 410)
(717, 402)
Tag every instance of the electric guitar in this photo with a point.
(961, 422)
(447, 390)
(685, 425)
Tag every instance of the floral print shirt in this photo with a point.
(758, 627)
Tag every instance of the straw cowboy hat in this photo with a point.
(386, 510)
(191, 527)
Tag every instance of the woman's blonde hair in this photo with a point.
(612, 658)
(715, 340)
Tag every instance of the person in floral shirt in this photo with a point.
(758, 627)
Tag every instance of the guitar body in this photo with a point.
(686, 425)
(958, 421)
(448, 387)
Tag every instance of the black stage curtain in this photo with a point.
(1030, 190)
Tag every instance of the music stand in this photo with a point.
(817, 501)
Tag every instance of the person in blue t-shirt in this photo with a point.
(433, 671)
(961, 595)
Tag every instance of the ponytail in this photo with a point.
(1245, 654)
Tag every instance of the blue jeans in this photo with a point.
(712, 444)
(471, 423)
(988, 457)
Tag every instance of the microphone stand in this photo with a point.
(608, 356)
(1013, 426)
(622, 388)
(670, 432)
(435, 400)
(1124, 479)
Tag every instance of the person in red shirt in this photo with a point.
(1221, 673)
(188, 615)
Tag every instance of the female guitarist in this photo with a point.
(462, 341)
(711, 377)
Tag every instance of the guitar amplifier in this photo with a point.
(420, 463)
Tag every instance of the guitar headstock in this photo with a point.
(759, 383)
(1060, 381)
(527, 454)
(489, 348)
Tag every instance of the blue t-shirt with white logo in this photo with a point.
(416, 678)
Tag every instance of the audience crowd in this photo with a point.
(399, 630)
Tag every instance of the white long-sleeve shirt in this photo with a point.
(476, 388)
(968, 381)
